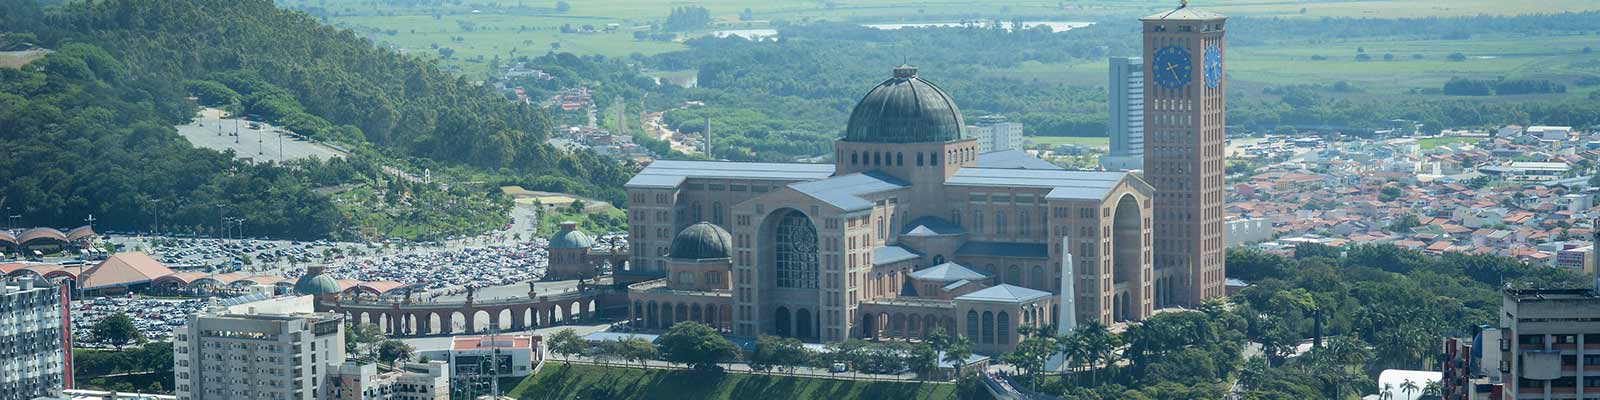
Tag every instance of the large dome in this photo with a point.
(569, 237)
(701, 241)
(314, 282)
(905, 109)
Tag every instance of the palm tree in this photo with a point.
(1099, 347)
(1432, 389)
(1387, 393)
(1409, 386)
(956, 353)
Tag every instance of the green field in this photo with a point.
(1053, 141)
(478, 32)
(576, 381)
(1432, 142)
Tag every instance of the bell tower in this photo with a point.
(1185, 112)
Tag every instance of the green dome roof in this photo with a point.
(569, 237)
(905, 109)
(701, 241)
(315, 283)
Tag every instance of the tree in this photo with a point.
(1031, 354)
(696, 345)
(566, 343)
(957, 352)
(782, 353)
(394, 351)
(1408, 386)
(117, 330)
(1404, 224)
(923, 359)
(638, 350)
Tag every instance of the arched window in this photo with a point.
(796, 255)
(934, 158)
(972, 325)
(938, 259)
(854, 158)
(919, 159)
(877, 158)
(899, 159)
(696, 212)
(1038, 278)
(882, 229)
(1004, 326)
(1014, 275)
(988, 327)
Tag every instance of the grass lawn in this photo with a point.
(1086, 141)
(1432, 142)
(575, 381)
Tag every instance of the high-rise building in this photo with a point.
(994, 133)
(1125, 103)
(33, 331)
(1550, 341)
(1184, 111)
(263, 350)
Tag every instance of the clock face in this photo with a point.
(1213, 66)
(1171, 67)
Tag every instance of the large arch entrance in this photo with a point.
(1127, 259)
(780, 322)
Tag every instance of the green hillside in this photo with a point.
(578, 381)
(88, 128)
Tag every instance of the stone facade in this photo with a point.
(828, 252)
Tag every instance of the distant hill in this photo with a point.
(125, 68)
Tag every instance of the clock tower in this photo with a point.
(1185, 112)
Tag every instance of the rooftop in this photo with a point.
(1013, 159)
(845, 191)
(1075, 185)
(947, 272)
(670, 173)
(1004, 293)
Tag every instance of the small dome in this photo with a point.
(569, 237)
(315, 282)
(905, 109)
(702, 241)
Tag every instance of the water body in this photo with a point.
(1056, 26)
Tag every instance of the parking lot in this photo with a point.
(256, 141)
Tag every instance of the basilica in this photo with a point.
(910, 229)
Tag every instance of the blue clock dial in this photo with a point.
(1171, 67)
(1213, 66)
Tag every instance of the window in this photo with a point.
(1004, 326)
(988, 327)
(716, 213)
(1022, 223)
(977, 221)
(796, 255)
(999, 223)
(919, 159)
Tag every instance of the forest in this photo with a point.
(1365, 308)
(88, 128)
